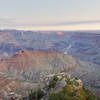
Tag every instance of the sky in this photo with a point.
(50, 14)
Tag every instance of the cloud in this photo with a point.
(17, 24)
(78, 22)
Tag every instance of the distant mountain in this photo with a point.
(86, 46)
(83, 45)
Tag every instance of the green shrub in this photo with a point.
(40, 94)
(32, 95)
(57, 96)
(37, 95)
(98, 98)
(53, 82)
(89, 95)
(69, 82)
(55, 78)
(69, 92)
(76, 78)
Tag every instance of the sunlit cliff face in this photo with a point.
(59, 33)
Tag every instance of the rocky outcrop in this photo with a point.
(61, 87)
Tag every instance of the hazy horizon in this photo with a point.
(50, 15)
